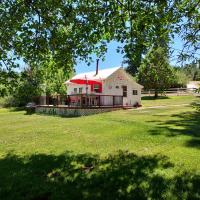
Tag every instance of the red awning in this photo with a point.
(88, 82)
(84, 81)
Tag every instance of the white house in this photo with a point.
(193, 85)
(107, 87)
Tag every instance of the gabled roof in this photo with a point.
(102, 74)
(133, 81)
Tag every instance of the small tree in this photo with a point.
(54, 78)
(181, 79)
(28, 88)
(155, 71)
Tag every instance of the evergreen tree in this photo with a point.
(155, 71)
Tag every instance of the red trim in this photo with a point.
(81, 81)
(88, 82)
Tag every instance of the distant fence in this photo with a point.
(171, 91)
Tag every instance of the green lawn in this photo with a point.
(167, 100)
(127, 154)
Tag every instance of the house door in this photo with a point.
(124, 90)
(124, 94)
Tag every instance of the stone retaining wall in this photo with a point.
(65, 111)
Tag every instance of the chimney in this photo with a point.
(97, 67)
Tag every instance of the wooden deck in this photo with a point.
(82, 101)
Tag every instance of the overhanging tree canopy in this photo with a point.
(65, 30)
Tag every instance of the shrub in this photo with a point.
(8, 101)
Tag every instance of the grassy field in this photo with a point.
(127, 154)
(164, 100)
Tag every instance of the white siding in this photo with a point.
(120, 78)
(70, 88)
(193, 85)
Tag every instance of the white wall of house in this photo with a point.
(113, 86)
(71, 86)
(193, 85)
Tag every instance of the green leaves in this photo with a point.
(53, 78)
(155, 71)
(69, 30)
(63, 29)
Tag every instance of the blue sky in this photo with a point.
(114, 59)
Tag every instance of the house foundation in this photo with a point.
(73, 111)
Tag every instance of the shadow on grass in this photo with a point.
(186, 123)
(85, 176)
(16, 109)
(29, 111)
(153, 98)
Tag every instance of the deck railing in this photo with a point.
(82, 100)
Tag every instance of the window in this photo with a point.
(124, 88)
(80, 90)
(135, 92)
(75, 90)
(117, 87)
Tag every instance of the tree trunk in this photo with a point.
(156, 94)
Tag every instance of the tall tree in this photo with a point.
(141, 24)
(150, 17)
(155, 71)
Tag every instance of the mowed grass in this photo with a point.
(149, 101)
(126, 154)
